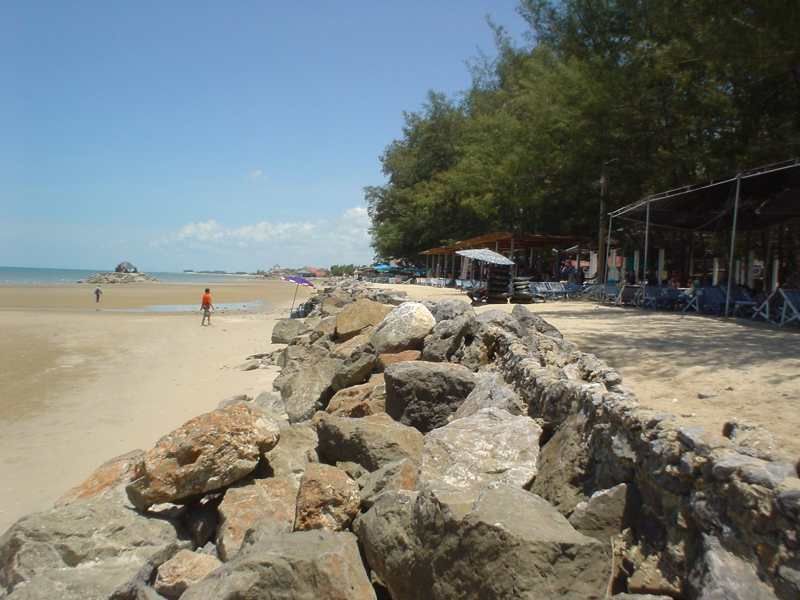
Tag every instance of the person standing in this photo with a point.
(206, 306)
(97, 293)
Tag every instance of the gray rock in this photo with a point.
(490, 446)
(400, 475)
(296, 448)
(503, 320)
(721, 575)
(87, 549)
(272, 405)
(181, 571)
(450, 308)
(424, 394)
(491, 390)
(309, 390)
(355, 369)
(300, 565)
(602, 516)
(285, 330)
(404, 328)
(371, 441)
(639, 597)
(508, 544)
(234, 400)
(448, 336)
(563, 466)
(534, 322)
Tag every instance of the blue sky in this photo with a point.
(213, 135)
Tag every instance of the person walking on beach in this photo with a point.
(97, 293)
(206, 306)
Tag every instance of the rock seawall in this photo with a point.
(461, 455)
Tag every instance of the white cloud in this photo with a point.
(344, 238)
(256, 173)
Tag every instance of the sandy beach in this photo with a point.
(79, 385)
(704, 370)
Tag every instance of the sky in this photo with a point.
(213, 135)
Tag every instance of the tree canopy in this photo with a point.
(675, 91)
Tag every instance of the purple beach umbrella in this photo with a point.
(298, 281)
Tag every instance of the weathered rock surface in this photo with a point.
(296, 448)
(450, 308)
(424, 394)
(448, 336)
(355, 369)
(113, 278)
(285, 330)
(419, 548)
(358, 400)
(372, 441)
(357, 316)
(87, 549)
(268, 503)
(503, 320)
(403, 329)
(390, 358)
(400, 475)
(491, 391)
(181, 571)
(354, 344)
(201, 519)
(721, 575)
(533, 321)
(328, 499)
(204, 454)
(490, 446)
(563, 464)
(602, 516)
(105, 479)
(309, 390)
(300, 565)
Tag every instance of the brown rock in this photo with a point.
(390, 358)
(401, 475)
(328, 499)
(181, 571)
(354, 401)
(266, 502)
(205, 454)
(109, 475)
(346, 349)
(359, 315)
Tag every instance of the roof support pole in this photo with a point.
(646, 243)
(733, 243)
(608, 249)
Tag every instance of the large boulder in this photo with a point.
(299, 565)
(357, 316)
(181, 571)
(390, 358)
(296, 448)
(498, 318)
(371, 441)
(491, 391)
(87, 549)
(508, 544)
(285, 330)
(424, 394)
(269, 503)
(404, 328)
(603, 515)
(721, 575)
(328, 499)
(205, 454)
(448, 336)
(490, 446)
(310, 388)
(358, 400)
(355, 369)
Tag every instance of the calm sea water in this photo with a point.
(21, 275)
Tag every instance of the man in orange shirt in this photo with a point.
(206, 306)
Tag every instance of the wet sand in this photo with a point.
(744, 370)
(79, 385)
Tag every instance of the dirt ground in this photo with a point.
(704, 370)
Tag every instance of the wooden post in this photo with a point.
(636, 264)
(715, 272)
(751, 271)
(662, 263)
(776, 264)
(733, 244)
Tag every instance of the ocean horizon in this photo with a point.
(43, 275)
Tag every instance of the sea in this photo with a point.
(25, 276)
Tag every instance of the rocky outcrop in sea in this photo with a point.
(422, 451)
(117, 277)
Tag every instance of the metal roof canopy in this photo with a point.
(503, 241)
(769, 195)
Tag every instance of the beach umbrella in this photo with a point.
(487, 256)
(298, 281)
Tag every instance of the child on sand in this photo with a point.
(206, 306)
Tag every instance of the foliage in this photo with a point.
(340, 270)
(675, 91)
